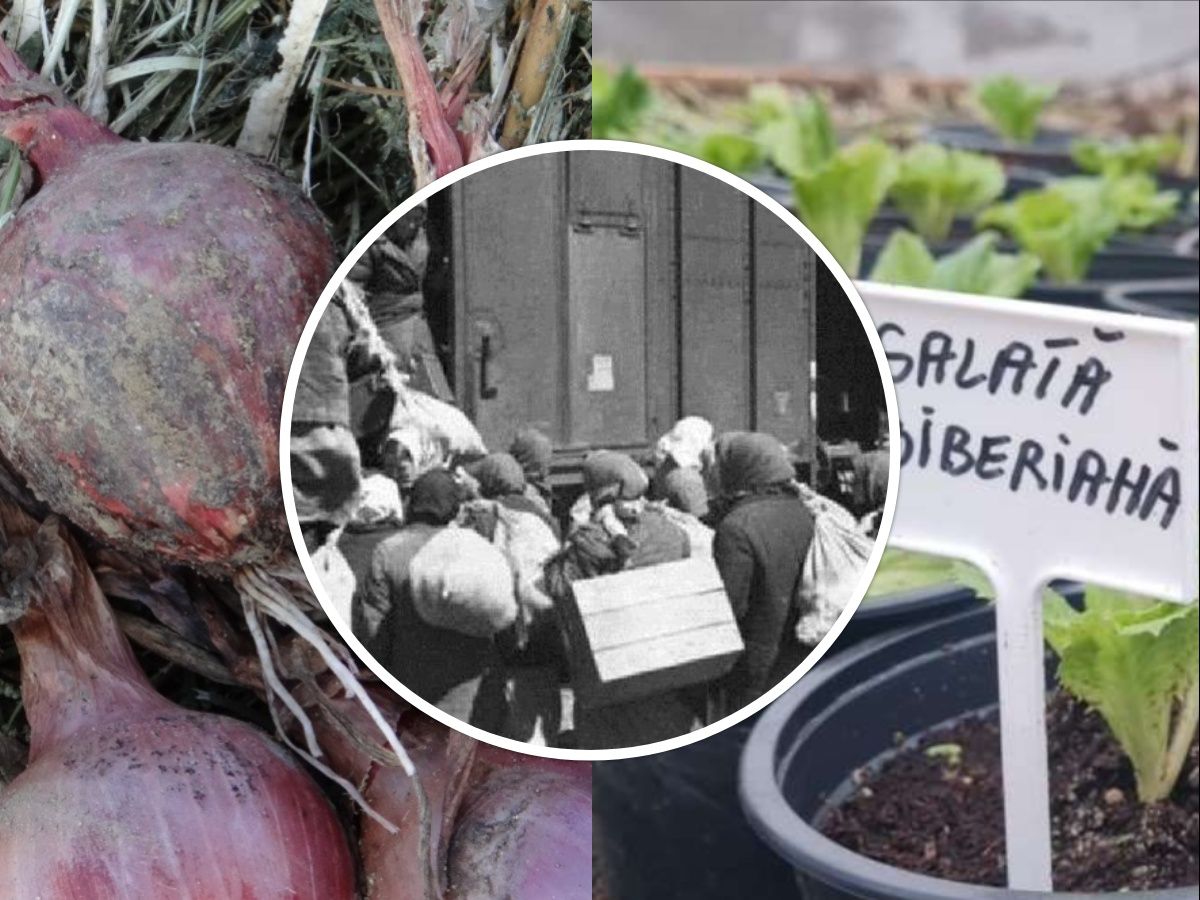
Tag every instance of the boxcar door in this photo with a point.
(605, 364)
(510, 283)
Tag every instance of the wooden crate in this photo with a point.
(649, 630)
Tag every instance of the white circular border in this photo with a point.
(885, 526)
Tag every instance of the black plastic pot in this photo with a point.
(1170, 298)
(844, 715)
(905, 609)
(670, 825)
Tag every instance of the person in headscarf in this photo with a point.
(379, 515)
(763, 533)
(456, 672)
(499, 477)
(408, 452)
(534, 452)
(624, 533)
(677, 479)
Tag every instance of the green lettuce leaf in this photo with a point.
(618, 102)
(799, 140)
(975, 268)
(733, 152)
(935, 184)
(1145, 154)
(1062, 228)
(1136, 662)
(838, 199)
(1013, 106)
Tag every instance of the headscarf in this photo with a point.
(435, 498)
(685, 442)
(749, 461)
(608, 475)
(533, 451)
(498, 475)
(379, 501)
(425, 450)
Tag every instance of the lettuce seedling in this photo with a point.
(1013, 106)
(618, 102)
(1134, 201)
(1062, 229)
(800, 140)
(732, 152)
(839, 198)
(975, 268)
(935, 184)
(1145, 154)
(1138, 664)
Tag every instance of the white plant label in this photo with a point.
(1042, 442)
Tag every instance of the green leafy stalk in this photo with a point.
(618, 102)
(975, 268)
(1134, 201)
(1145, 154)
(935, 184)
(1013, 106)
(838, 199)
(796, 137)
(1138, 664)
(1062, 228)
(732, 152)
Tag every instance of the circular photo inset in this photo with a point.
(588, 448)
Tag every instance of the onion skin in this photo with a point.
(151, 298)
(503, 824)
(128, 795)
(524, 830)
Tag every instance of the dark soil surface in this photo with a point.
(938, 809)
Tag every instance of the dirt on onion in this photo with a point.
(151, 298)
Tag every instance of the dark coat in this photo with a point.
(760, 546)
(457, 673)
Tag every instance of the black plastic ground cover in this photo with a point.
(670, 826)
(1050, 149)
(846, 715)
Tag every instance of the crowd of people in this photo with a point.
(455, 566)
(511, 546)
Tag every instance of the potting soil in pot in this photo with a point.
(938, 808)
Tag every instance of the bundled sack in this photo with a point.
(834, 564)
(462, 583)
(439, 422)
(699, 535)
(528, 543)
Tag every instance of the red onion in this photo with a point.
(524, 830)
(502, 824)
(127, 794)
(151, 298)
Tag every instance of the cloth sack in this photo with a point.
(437, 422)
(832, 569)
(527, 542)
(700, 536)
(462, 583)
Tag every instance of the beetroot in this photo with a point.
(151, 297)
